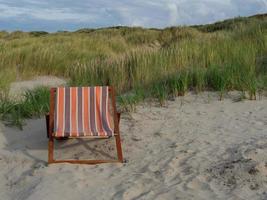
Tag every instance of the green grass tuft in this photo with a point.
(34, 103)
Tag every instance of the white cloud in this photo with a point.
(173, 13)
(149, 13)
(53, 14)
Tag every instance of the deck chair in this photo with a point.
(83, 112)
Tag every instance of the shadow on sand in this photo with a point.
(32, 142)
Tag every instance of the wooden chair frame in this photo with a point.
(50, 126)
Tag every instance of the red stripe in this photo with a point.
(86, 116)
(60, 114)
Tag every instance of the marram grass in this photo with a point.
(139, 62)
(34, 103)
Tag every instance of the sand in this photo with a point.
(19, 87)
(195, 147)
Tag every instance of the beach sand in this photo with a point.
(195, 147)
(19, 87)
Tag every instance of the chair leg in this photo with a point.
(47, 125)
(119, 149)
(119, 117)
(118, 142)
(51, 150)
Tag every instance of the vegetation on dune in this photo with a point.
(140, 63)
(34, 103)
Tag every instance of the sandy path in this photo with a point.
(19, 87)
(195, 148)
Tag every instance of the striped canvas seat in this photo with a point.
(82, 111)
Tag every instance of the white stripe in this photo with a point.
(57, 124)
(107, 111)
(63, 111)
(77, 111)
(83, 111)
(89, 116)
(100, 109)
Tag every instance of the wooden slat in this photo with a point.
(92, 162)
(89, 137)
(51, 126)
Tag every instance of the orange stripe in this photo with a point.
(98, 114)
(60, 105)
(73, 93)
(85, 111)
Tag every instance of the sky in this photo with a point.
(55, 15)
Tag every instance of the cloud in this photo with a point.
(68, 14)
(173, 13)
(54, 14)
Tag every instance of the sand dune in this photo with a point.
(196, 147)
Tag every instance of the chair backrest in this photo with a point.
(83, 111)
